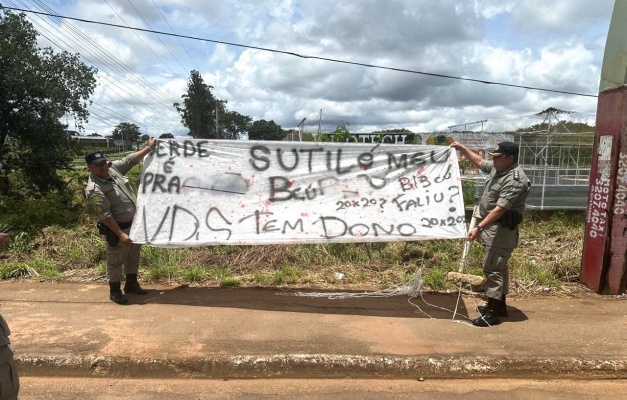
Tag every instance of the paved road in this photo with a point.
(71, 329)
(260, 389)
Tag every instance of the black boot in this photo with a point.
(115, 293)
(502, 311)
(490, 316)
(132, 286)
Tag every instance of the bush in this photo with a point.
(33, 214)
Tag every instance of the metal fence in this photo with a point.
(558, 166)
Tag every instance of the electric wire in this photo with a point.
(157, 36)
(44, 32)
(436, 75)
(142, 40)
(177, 38)
(112, 62)
(117, 115)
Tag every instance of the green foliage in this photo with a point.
(198, 112)
(230, 282)
(126, 131)
(220, 274)
(155, 256)
(340, 134)
(13, 270)
(233, 124)
(20, 243)
(194, 275)
(33, 214)
(201, 108)
(265, 130)
(261, 278)
(162, 273)
(37, 87)
(288, 274)
(39, 267)
(434, 278)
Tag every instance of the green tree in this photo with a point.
(126, 131)
(198, 112)
(265, 130)
(37, 88)
(233, 125)
(340, 134)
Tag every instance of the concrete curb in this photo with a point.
(302, 366)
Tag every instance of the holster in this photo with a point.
(511, 219)
(110, 236)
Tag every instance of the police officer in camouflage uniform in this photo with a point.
(109, 192)
(500, 212)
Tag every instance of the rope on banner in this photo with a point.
(413, 287)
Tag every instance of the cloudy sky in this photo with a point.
(556, 45)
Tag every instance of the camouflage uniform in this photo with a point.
(9, 382)
(508, 190)
(115, 198)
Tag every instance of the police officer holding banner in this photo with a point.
(109, 193)
(9, 381)
(500, 213)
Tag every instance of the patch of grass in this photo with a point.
(549, 254)
(530, 273)
(434, 278)
(16, 270)
(194, 275)
(154, 256)
(220, 273)
(261, 278)
(229, 282)
(166, 273)
(287, 275)
(38, 267)
(46, 269)
(101, 268)
(21, 243)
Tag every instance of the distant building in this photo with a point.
(95, 141)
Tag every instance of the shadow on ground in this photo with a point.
(429, 305)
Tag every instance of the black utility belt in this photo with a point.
(124, 225)
(511, 219)
(111, 237)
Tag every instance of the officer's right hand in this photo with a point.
(125, 239)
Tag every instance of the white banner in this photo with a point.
(204, 192)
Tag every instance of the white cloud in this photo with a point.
(554, 45)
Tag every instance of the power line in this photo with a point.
(43, 32)
(104, 56)
(179, 40)
(157, 36)
(139, 37)
(319, 58)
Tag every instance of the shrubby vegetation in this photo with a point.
(42, 178)
(64, 245)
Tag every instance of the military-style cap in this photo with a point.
(508, 148)
(95, 156)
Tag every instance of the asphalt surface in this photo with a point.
(74, 330)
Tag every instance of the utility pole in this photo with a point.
(300, 131)
(320, 123)
(217, 124)
(604, 259)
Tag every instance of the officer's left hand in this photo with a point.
(125, 239)
(151, 142)
(473, 234)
